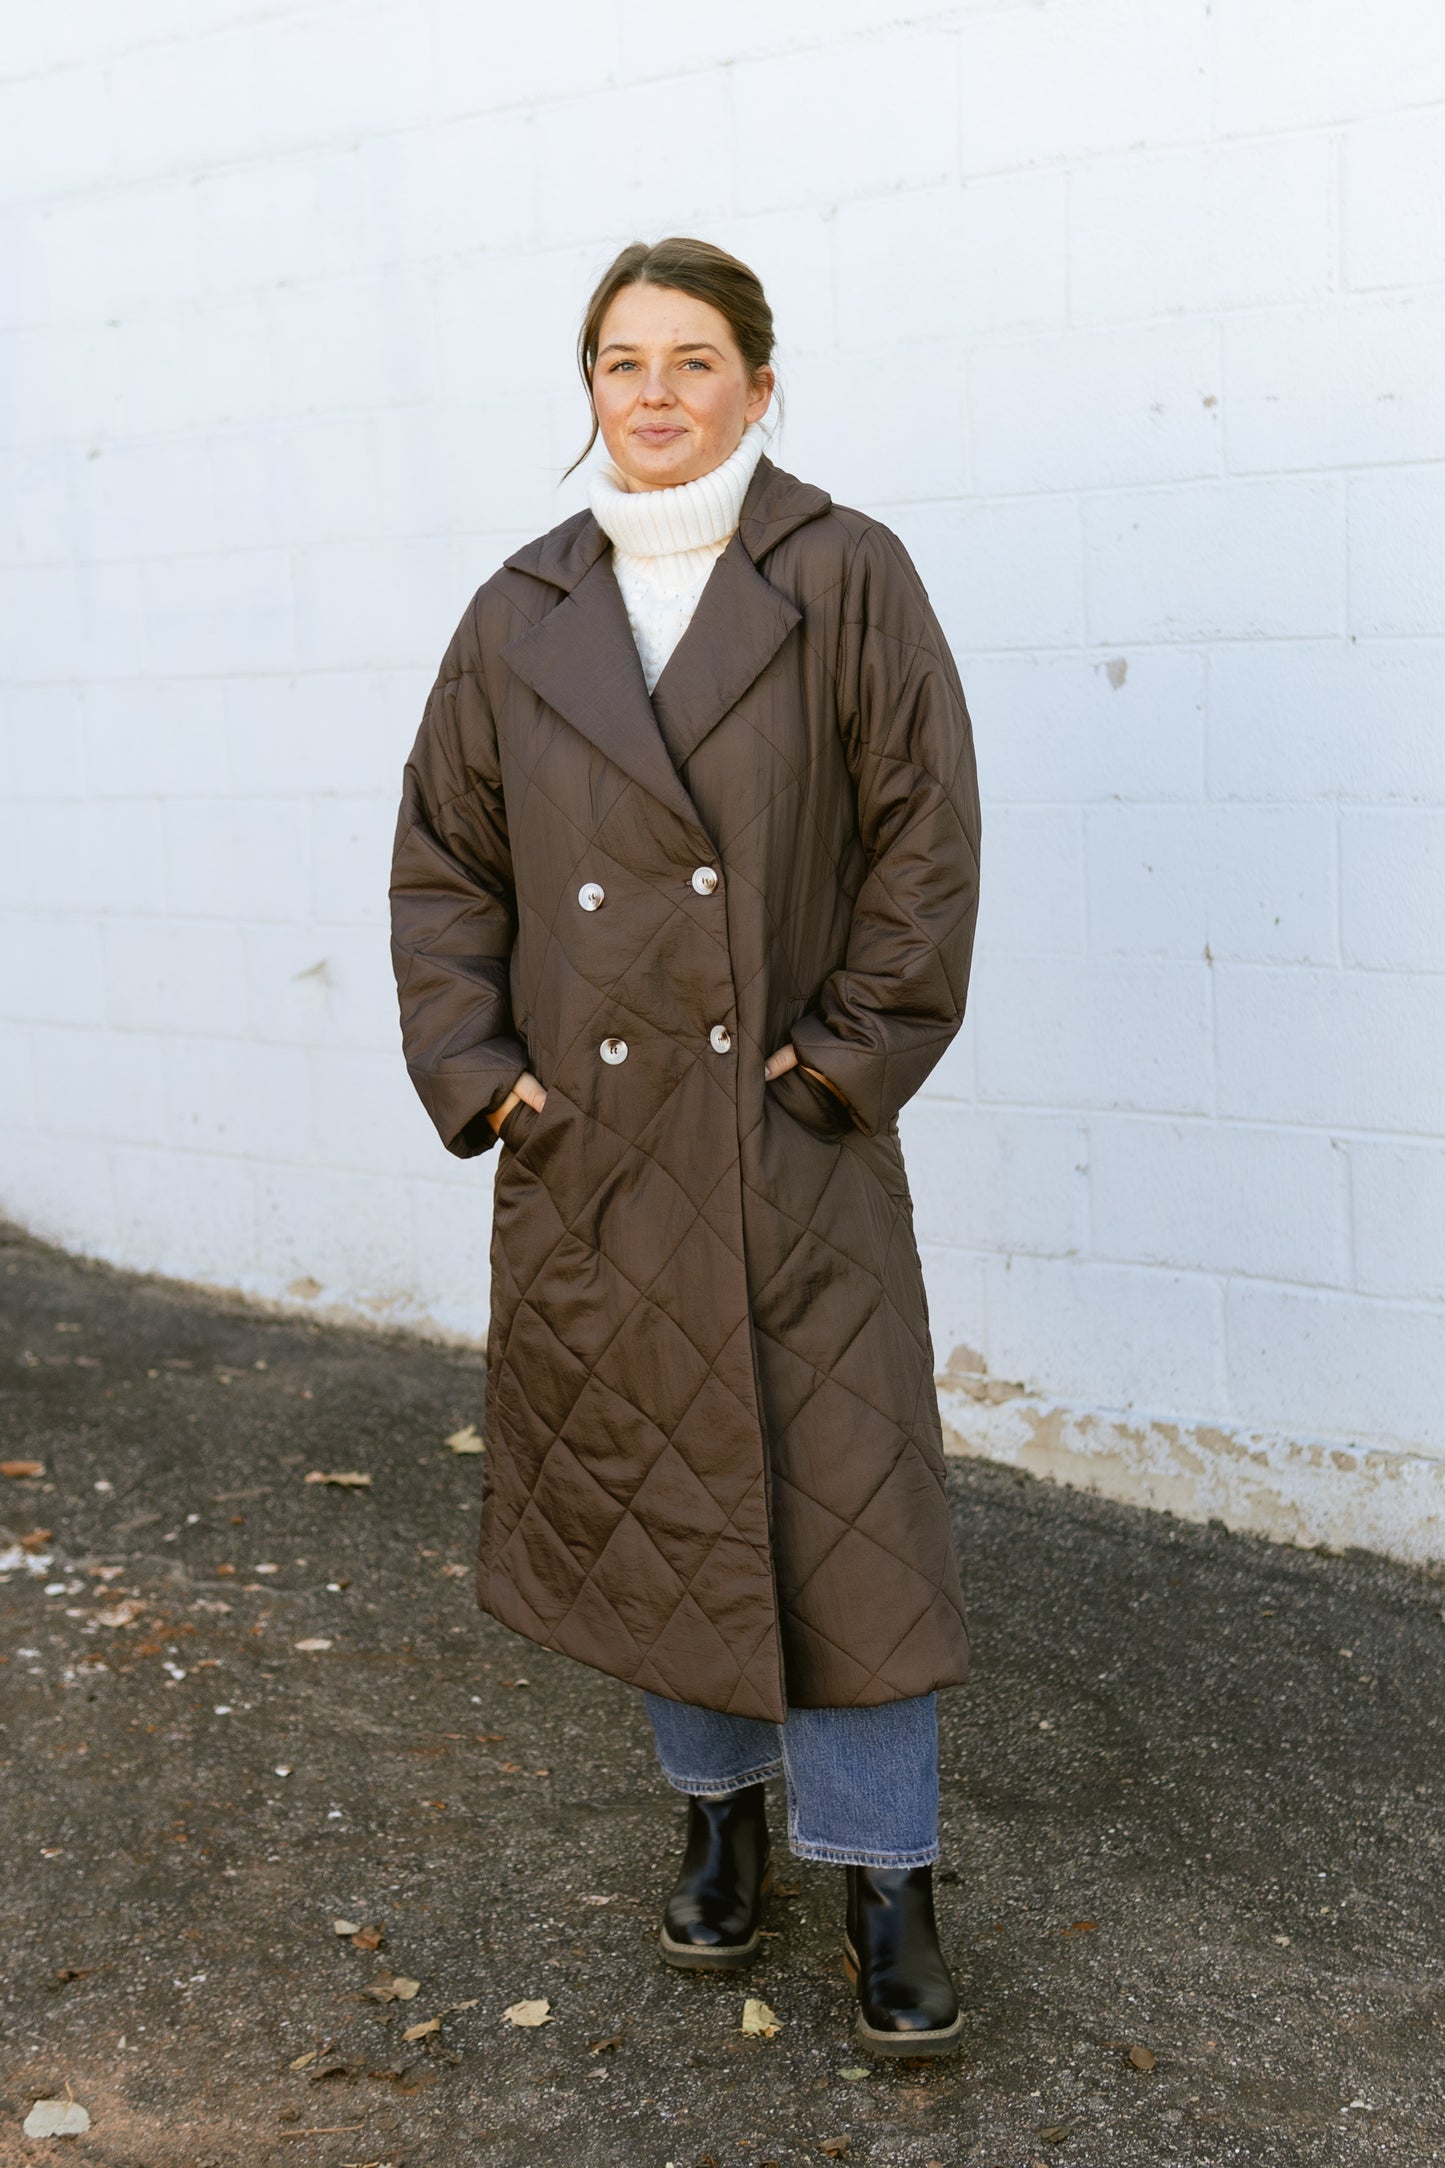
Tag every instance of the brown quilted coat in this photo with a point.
(714, 1463)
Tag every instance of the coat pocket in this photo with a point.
(811, 1105)
(518, 1126)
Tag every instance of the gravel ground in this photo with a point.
(1191, 1810)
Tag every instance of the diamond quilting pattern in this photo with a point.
(715, 1464)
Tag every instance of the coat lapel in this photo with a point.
(738, 626)
(582, 660)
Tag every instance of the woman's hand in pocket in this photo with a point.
(527, 1088)
(807, 1095)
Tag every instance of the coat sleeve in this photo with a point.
(884, 1018)
(454, 912)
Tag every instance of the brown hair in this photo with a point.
(692, 267)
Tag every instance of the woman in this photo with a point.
(683, 906)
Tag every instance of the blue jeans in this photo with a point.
(862, 1783)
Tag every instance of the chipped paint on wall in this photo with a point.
(1307, 1491)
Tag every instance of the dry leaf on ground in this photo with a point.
(759, 2019)
(313, 1646)
(346, 1927)
(335, 2067)
(57, 2119)
(1142, 2058)
(466, 1440)
(22, 1467)
(419, 2032)
(124, 1614)
(835, 2148)
(348, 1478)
(368, 1938)
(1055, 2133)
(392, 1987)
(529, 2013)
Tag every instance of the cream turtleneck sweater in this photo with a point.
(665, 542)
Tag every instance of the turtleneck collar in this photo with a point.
(690, 516)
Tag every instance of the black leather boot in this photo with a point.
(710, 1921)
(907, 2004)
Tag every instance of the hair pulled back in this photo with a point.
(691, 267)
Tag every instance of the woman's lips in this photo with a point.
(658, 436)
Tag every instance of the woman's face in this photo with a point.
(671, 390)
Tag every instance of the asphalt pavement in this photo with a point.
(1193, 1863)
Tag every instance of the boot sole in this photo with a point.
(943, 2040)
(690, 1957)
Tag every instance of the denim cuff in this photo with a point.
(834, 1856)
(843, 1855)
(721, 1787)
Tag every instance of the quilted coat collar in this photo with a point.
(581, 659)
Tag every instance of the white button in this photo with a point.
(590, 895)
(613, 1050)
(721, 1038)
(704, 880)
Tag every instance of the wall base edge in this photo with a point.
(1314, 1493)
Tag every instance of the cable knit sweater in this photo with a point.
(665, 542)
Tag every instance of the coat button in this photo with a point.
(590, 895)
(613, 1050)
(704, 880)
(721, 1039)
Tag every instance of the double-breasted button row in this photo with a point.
(719, 1038)
(591, 895)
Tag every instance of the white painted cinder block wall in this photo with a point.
(1129, 317)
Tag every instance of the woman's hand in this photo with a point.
(526, 1087)
(787, 1058)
